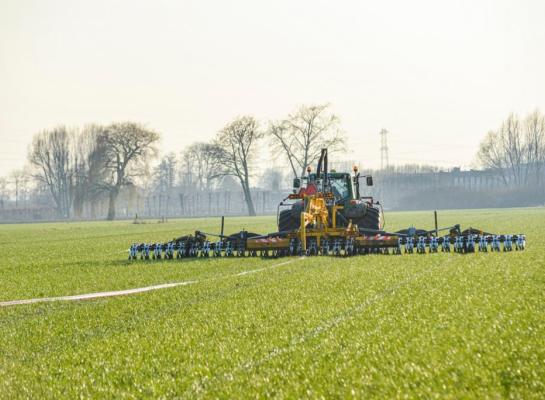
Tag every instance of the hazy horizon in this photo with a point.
(437, 76)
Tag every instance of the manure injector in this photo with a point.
(325, 215)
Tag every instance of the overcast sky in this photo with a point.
(436, 74)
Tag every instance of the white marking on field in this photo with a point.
(96, 295)
(253, 271)
(125, 292)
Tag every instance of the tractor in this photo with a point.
(345, 188)
(326, 215)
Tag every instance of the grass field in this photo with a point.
(433, 326)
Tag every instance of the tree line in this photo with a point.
(230, 156)
(79, 166)
(75, 168)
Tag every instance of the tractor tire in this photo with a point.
(286, 222)
(371, 219)
(296, 210)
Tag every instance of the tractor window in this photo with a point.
(340, 189)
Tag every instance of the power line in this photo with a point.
(383, 149)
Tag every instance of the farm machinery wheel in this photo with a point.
(286, 222)
(371, 219)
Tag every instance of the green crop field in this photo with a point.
(410, 326)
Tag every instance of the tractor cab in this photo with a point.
(339, 184)
(342, 185)
(338, 191)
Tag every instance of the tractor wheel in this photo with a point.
(286, 222)
(371, 219)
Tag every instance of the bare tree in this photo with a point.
(501, 150)
(302, 135)
(203, 164)
(50, 155)
(236, 141)
(4, 192)
(165, 172)
(165, 179)
(491, 156)
(20, 178)
(515, 149)
(128, 148)
(272, 179)
(89, 167)
(185, 172)
(534, 133)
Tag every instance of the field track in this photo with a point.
(98, 295)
